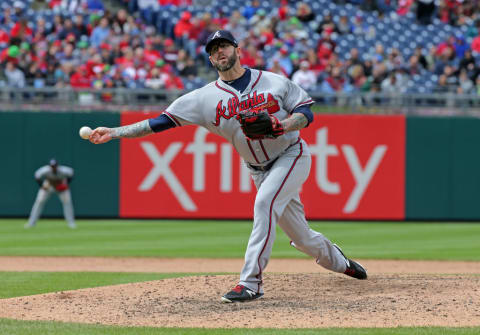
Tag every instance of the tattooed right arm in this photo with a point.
(138, 129)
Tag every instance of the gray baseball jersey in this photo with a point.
(215, 107)
(46, 173)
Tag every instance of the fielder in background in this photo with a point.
(53, 178)
(260, 113)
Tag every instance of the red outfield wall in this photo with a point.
(358, 171)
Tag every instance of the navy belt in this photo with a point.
(264, 167)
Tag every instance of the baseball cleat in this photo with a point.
(241, 293)
(354, 269)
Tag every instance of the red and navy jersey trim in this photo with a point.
(224, 89)
(252, 151)
(256, 81)
(308, 102)
(264, 151)
(173, 118)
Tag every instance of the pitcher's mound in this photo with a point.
(290, 301)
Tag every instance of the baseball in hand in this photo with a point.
(85, 132)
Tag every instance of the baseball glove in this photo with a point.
(258, 125)
(59, 185)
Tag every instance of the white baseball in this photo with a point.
(85, 132)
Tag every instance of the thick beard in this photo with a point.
(230, 63)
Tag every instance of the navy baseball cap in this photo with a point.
(220, 35)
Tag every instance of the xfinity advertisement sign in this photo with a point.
(358, 169)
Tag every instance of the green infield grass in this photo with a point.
(228, 239)
(13, 327)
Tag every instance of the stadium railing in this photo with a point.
(69, 99)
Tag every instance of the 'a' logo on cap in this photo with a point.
(217, 34)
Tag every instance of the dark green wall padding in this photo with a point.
(443, 168)
(442, 165)
(29, 139)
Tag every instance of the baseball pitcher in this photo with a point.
(260, 114)
(53, 178)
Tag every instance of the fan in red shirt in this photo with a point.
(174, 83)
(54, 3)
(267, 36)
(183, 26)
(336, 80)
(150, 55)
(316, 65)
(21, 29)
(126, 60)
(283, 10)
(404, 7)
(448, 44)
(170, 52)
(80, 78)
(325, 46)
(252, 58)
(221, 20)
(4, 38)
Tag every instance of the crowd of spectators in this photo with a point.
(91, 47)
(82, 44)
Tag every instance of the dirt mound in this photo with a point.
(290, 301)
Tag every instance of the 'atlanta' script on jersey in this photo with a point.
(253, 102)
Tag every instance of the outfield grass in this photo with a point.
(13, 327)
(219, 239)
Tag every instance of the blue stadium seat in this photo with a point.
(385, 38)
(316, 8)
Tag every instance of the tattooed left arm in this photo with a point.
(296, 121)
(104, 134)
(138, 129)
